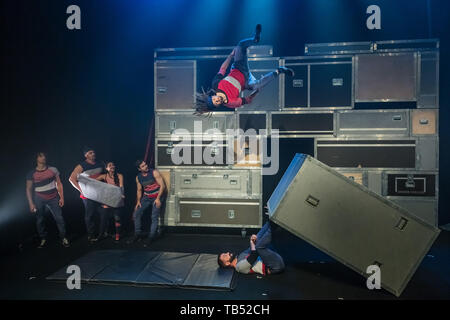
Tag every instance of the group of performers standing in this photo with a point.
(44, 189)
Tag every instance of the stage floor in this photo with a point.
(309, 274)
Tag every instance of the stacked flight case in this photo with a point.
(389, 140)
(371, 109)
(209, 187)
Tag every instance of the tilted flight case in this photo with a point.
(350, 223)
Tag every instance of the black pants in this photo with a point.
(90, 208)
(55, 209)
(105, 218)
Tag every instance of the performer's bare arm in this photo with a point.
(29, 190)
(138, 195)
(74, 177)
(120, 180)
(101, 177)
(162, 187)
(59, 187)
(121, 184)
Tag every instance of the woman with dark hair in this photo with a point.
(226, 90)
(116, 179)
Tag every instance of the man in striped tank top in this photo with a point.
(258, 258)
(44, 189)
(92, 168)
(150, 189)
(226, 90)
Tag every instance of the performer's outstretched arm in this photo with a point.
(236, 103)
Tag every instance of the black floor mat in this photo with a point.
(147, 268)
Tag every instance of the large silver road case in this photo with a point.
(350, 223)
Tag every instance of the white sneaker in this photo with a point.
(65, 243)
(42, 244)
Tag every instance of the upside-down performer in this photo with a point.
(258, 258)
(226, 90)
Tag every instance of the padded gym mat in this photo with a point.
(206, 274)
(90, 264)
(151, 268)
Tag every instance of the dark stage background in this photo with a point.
(62, 89)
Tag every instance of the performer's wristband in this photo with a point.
(252, 257)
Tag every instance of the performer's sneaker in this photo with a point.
(287, 71)
(103, 236)
(92, 239)
(148, 242)
(65, 242)
(257, 36)
(134, 239)
(42, 244)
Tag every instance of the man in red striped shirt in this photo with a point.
(150, 189)
(227, 89)
(44, 189)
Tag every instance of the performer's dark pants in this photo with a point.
(147, 202)
(90, 207)
(105, 217)
(241, 63)
(270, 258)
(55, 209)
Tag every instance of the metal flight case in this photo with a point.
(319, 82)
(424, 122)
(191, 153)
(214, 183)
(208, 197)
(386, 77)
(357, 123)
(167, 123)
(297, 124)
(408, 153)
(416, 191)
(175, 84)
(391, 71)
(350, 223)
(211, 212)
(367, 152)
(254, 120)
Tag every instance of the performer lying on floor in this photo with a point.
(226, 89)
(256, 259)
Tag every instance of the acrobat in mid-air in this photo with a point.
(226, 90)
